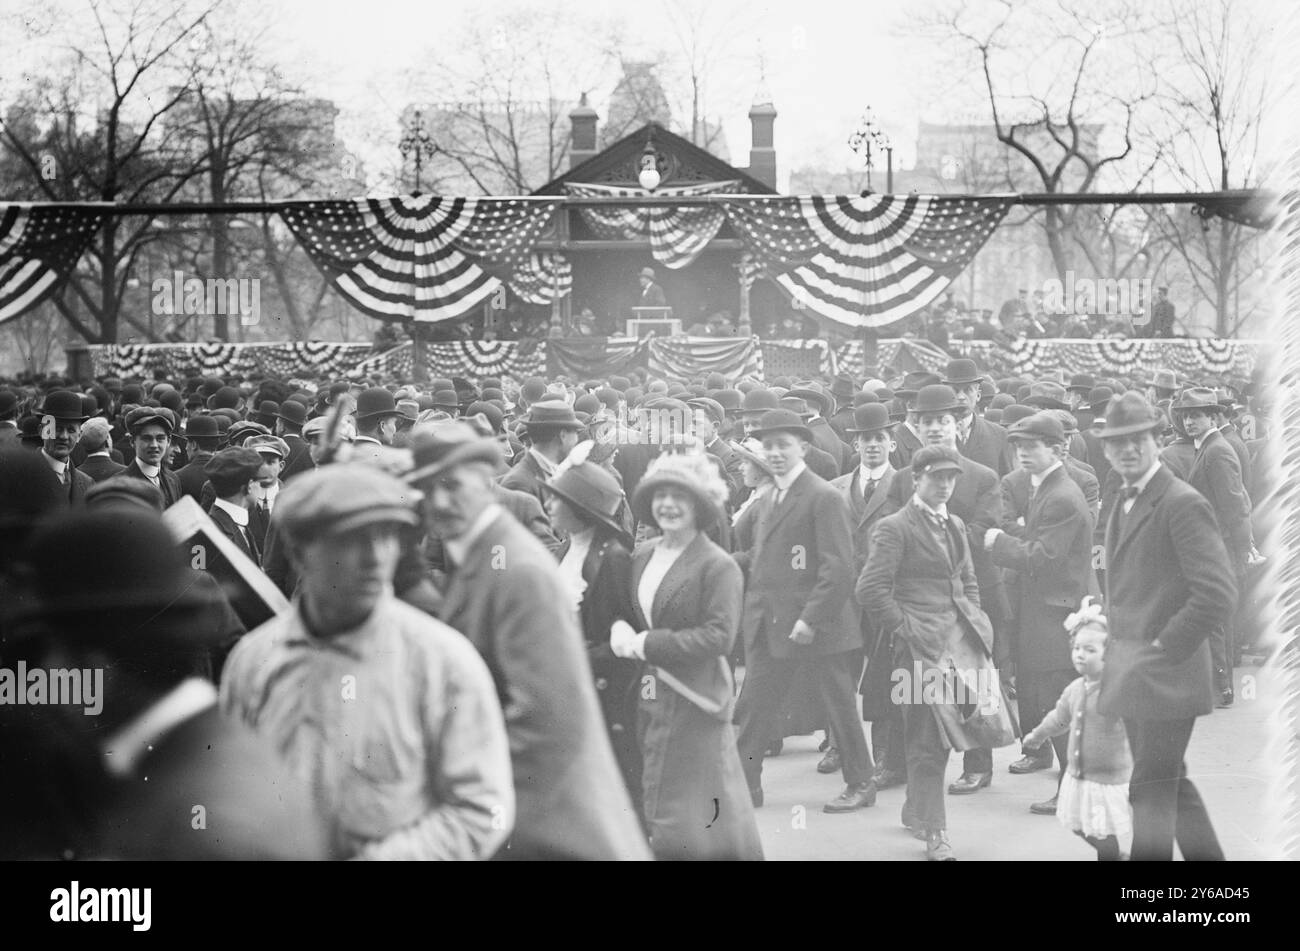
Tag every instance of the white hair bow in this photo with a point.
(1089, 612)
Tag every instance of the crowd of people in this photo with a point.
(518, 614)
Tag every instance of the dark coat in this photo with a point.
(906, 443)
(1052, 558)
(1096, 454)
(799, 562)
(252, 807)
(840, 422)
(696, 798)
(987, 445)
(299, 457)
(1179, 456)
(171, 486)
(570, 797)
(221, 518)
(822, 463)
(1229, 432)
(1167, 579)
(526, 476)
(1216, 474)
(192, 475)
(731, 465)
(100, 468)
(607, 570)
(825, 439)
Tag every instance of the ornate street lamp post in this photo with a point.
(417, 144)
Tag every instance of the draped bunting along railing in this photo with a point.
(675, 358)
(862, 261)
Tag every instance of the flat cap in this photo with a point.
(1043, 425)
(339, 498)
(271, 444)
(236, 464)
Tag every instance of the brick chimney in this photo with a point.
(583, 122)
(762, 153)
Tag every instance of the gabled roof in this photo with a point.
(631, 145)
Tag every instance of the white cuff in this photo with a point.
(638, 645)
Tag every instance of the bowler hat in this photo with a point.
(813, 393)
(929, 459)
(591, 489)
(782, 421)
(446, 399)
(199, 427)
(1042, 425)
(961, 372)
(914, 382)
(870, 418)
(268, 410)
(939, 398)
(65, 405)
(1129, 414)
(860, 399)
(293, 412)
(8, 402)
(648, 272)
(1046, 395)
(758, 402)
(1000, 400)
(376, 403)
(1014, 412)
(1082, 383)
(210, 386)
(495, 416)
(226, 398)
(341, 498)
(436, 447)
(1098, 397)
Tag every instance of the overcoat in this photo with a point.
(1167, 579)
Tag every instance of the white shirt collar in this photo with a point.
(941, 511)
(55, 464)
(357, 439)
(784, 482)
(877, 473)
(153, 472)
(238, 514)
(458, 548)
(102, 452)
(1142, 482)
(127, 745)
(1037, 480)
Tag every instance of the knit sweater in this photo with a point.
(1098, 749)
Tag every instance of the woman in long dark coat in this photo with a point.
(688, 593)
(584, 503)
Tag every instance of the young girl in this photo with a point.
(1093, 800)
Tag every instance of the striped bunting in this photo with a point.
(677, 235)
(426, 258)
(542, 279)
(688, 357)
(866, 262)
(39, 247)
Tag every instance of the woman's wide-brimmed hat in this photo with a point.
(595, 492)
(751, 450)
(694, 474)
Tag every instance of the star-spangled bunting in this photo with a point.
(39, 247)
(426, 258)
(542, 279)
(677, 235)
(866, 262)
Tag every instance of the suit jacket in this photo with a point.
(80, 454)
(840, 421)
(9, 434)
(987, 445)
(192, 475)
(526, 510)
(864, 513)
(1167, 579)
(825, 439)
(1229, 432)
(694, 619)
(1096, 454)
(100, 468)
(1216, 474)
(731, 464)
(1179, 456)
(253, 807)
(78, 484)
(170, 485)
(799, 560)
(906, 443)
(570, 798)
(299, 457)
(1052, 558)
(652, 295)
(526, 476)
(822, 463)
(223, 520)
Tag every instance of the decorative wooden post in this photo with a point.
(419, 355)
(749, 270)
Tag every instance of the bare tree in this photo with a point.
(705, 34)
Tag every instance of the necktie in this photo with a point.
(1131, 492)
(869, 488)
(63, 476)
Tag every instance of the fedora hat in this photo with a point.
(813, 393)
(694, 474)
(593, 490)
(939, 398)
(914, 382)
(1165, 380)
(759, 401)
(65, 405)
(437, 447)
(798, 405)
(1014, 412)
(554, 414)
(1197, 398)
(376, 402)
(843, 387)
(782, 421)
(870, 418)
(961, 372)
(1129, 414)
(1046, 394)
